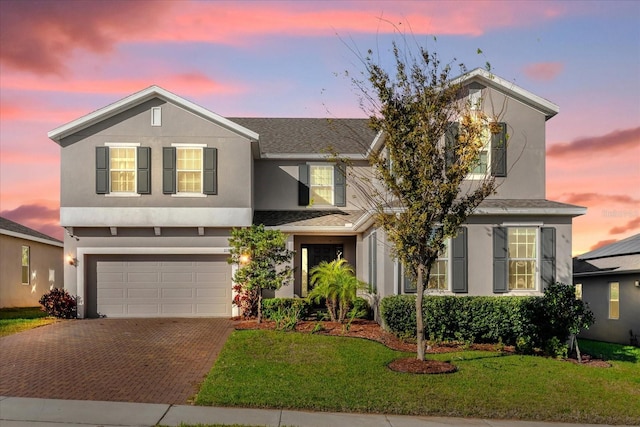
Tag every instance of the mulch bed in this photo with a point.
(371, 330)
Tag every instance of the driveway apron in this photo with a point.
(126, 360)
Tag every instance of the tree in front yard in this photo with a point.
(432, 139)
(263, 261)
(336, 283)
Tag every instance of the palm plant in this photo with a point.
(336, 283)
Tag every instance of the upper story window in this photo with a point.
(492, 156)
(189, 170)
(26, 270)
(123, 169)
(322, 184)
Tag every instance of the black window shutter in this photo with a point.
(548, 265)
(210, 171)
(144, 170)
(499, 152)
(169, 170)
(340, 185)
(303, 185)
(450, 143)
(102, 170)
(500, 260)
(459, 276)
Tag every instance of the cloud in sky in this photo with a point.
(629, 226)
(543, 71)
(40, 217)
(45, 34)
(598, 198)
(616, 141)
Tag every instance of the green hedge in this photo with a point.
(469, 318)
(270, 307)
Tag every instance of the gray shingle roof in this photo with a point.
(628, 246)
(309, 135)
(309, 218)
(7, 224)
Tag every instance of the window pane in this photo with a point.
(321, 183)
(523, 257)
(25, 265)
(189, 169)
(614, 300)
(579, 291)
(438, 279)
(123, 169)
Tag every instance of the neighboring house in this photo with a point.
(31, 264)
(608, 279)
(152, 185)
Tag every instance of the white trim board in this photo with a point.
(155, 217)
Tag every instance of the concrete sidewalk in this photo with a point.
(22, 412)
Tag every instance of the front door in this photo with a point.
(313, 255)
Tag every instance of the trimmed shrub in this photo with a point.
(530, 323)
(59, 303)
(273, 308)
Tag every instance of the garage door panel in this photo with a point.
(151, 277)
(169, 286)
(142, 293)
(177, 293)
(177, 277)
(107, 293)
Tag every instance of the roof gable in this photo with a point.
(548, 108)
(138, 98)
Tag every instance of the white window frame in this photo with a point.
(27, 266)
(156, 116)
(487, 148)
(400, 276)
(537, 258)
(313, 201)
(612, 301)
(135, 146)
(179, 193)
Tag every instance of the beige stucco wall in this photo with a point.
(46, 262)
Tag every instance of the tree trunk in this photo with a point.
(578, 355)
(259, 305)
(419, 315)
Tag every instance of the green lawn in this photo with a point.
(14, 320)
(272, 369)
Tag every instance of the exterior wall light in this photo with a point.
(72, 261)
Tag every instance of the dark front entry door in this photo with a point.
(313, 255)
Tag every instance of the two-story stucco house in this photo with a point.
(152, 185)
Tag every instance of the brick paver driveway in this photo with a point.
(128, 360)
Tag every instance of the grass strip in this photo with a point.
(269, 369)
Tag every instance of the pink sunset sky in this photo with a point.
(60, 60)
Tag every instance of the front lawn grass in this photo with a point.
(269, 369)
(14, 320)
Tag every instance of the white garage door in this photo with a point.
(170, 286)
